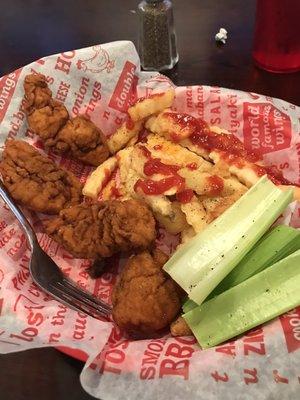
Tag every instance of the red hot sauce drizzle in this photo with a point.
(150, 187)
(108, 176)
(175, 137)
(155, 166)
(274, 174)
(216, 185)
(129, 123)
(185, 196)
(115, 192)
(145, 151)
(232, 147)
(203, 137)
(192, 166)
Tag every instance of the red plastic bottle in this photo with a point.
(277, 35)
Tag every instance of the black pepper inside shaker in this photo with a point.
(157, 38)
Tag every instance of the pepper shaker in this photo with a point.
(157, 38)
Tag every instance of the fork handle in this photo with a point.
(31, 236)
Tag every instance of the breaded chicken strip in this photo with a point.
(45, 116)
(37, 93)
(145, 299)
(47, 121)
(34, 181)
(103, 229)
(82, 140)
(77, 137)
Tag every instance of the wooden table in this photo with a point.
(34, 28)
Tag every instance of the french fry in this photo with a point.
(129, 176)
(201, 151)
(152, 105)
(215, 206)
(173, 153)
(174, 223)
(158, 203)
(217, 129)
(245, 174)
(187, 235)
(106, 193)
(163, 124)
(122, 136)
(195, 214)
(98, 178)
(198, 181)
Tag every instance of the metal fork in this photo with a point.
(47, 275)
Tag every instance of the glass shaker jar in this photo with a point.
(157, 38)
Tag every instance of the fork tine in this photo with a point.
(75, 304)
(83, 293)
(80, 298)
(64, 298)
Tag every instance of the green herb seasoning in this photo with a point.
(157, 39)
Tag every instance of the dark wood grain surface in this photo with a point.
(34, 28)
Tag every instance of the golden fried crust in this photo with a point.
(180, 328)
(145, 299)
(37, 93)
(47, 121)
(35, 181)
(128, 224)
(103, 229)
(45, 116)
(82, 139)
(80, 231)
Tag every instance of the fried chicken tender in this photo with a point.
(37, 93)
(34, 181)
(82, 140)
(49, 119)
(103, 229)
(45, 116)
(145, 299)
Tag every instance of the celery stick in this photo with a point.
(278, 243)
(200, 265)
(188, 305)
(275, 245)
(258, 299)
